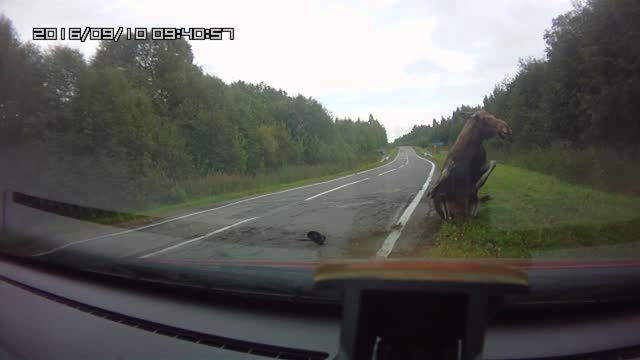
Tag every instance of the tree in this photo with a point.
(142, 115)
(584, 93)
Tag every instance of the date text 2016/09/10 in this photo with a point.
(118, 33)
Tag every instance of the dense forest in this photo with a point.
(139, 120)
(574, 113)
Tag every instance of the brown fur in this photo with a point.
(455, 194)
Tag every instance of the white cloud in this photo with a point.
(352, 55)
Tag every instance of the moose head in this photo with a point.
(488, 125)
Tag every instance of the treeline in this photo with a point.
(142, 115)
(443, 132)
(574, 113)
(584, 92)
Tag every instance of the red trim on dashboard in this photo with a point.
(517, 264)
(577, 264)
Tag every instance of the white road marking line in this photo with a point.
(386, 172)
(50, 251)
(401, 166)
(334, 189)
(390, 241)
(196, 239)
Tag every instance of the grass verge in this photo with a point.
(438, 156)
(537, 215)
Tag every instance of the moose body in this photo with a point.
(455, 195)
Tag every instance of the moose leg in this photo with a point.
(447, 205)
(437, 204)
(441, 207)
(467, 208)
(474, 205)
(487, 169)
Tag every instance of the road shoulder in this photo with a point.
(420, 231)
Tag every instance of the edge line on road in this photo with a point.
(196, 239)
(334, 189)
(390, 241)
(118, 233)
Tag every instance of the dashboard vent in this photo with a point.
(276, 352)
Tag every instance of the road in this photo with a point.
(362, 215)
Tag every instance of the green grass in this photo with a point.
(230, 187)
(438, 155)
(537, 215)
(392, 152)
(600, 168)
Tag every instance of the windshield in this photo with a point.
(221, 138)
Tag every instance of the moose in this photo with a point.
(455, 194)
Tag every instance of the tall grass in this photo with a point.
(612, 170)
(215, 184)
(600, 168)
(204, 191)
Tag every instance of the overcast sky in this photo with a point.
(405, 62)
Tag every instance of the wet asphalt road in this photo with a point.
(356, 213)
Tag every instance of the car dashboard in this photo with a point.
(52, 315)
